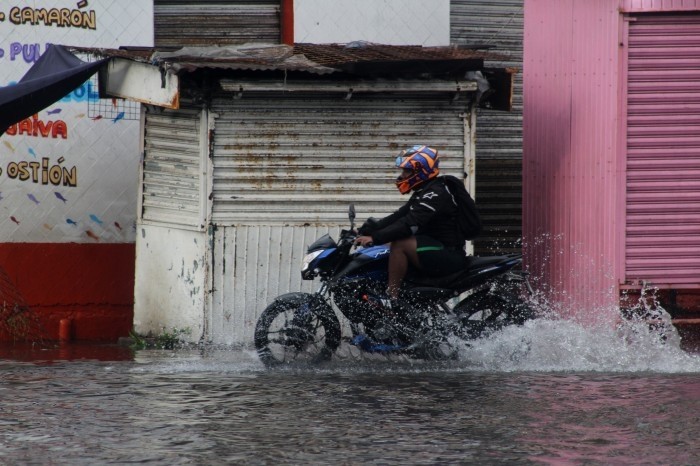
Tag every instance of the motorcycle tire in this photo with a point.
(297, 328)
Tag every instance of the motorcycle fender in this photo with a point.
(295, 297)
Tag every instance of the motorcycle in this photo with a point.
(488, 295)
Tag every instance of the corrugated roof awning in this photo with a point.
(360, 58)
(355, 61)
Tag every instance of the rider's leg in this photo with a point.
(402, 252)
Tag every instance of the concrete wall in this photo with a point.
(170, 288)
(393, 22)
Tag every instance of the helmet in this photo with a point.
(423, 163)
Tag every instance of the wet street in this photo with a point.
(550, 393)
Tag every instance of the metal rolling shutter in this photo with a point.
(663, 151)
(171, 187)
(180, 23)
(288, 159)
(499, 25)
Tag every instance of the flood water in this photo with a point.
(548, 393)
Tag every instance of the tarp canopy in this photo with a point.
(52, 77)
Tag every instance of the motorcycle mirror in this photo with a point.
(351, 216)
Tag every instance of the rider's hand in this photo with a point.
(364, 240)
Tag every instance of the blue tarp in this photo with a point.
(52, 77)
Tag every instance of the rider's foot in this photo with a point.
(392, 305)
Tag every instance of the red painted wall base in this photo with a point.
(89, 285)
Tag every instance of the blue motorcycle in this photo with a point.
(489, 294)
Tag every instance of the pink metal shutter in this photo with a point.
(663, 152)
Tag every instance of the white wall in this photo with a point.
(170, 286)
(393, 22)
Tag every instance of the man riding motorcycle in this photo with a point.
(423, 232)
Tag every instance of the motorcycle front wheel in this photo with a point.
(297, 328)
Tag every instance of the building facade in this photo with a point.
(611, 153)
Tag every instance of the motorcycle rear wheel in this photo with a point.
(486, 312)
(299, 328)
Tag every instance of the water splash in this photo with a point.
(551, 345)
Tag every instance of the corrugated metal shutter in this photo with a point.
(663, 151)
(181, 23)
(252, 265)
(290, 159)
(172, 177)
(498, 24)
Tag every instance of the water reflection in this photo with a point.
(48, 352)
(615, 419)
(551, 394)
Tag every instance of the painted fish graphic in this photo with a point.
(60, 197)
(70, 221)
(14, 219)
(96, 219)
(54, 112)
(92, 235)
(31, 152)
(33, 199)
(119, 116)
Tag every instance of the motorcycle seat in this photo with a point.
(475, 262)
(474, 265)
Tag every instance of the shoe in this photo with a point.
(395, 305)
(379, 301)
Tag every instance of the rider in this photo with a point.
(423, 231)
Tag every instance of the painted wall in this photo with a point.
(69, 175)
(393, 22)
(574, 148)
(571, 175)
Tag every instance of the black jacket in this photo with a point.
(430, 211)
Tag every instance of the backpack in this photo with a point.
(468, 220)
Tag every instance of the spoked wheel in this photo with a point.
(298, 328)
(485, 312)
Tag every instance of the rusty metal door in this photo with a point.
(285, 159)
(186, 23)
(285, 169)
(497, 25)
(173, 185)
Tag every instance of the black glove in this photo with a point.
(369, 227)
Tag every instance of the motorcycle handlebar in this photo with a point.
(349, 236)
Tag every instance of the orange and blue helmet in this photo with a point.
(423, 163)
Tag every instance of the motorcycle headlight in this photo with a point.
(309, 258)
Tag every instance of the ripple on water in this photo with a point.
(550, 392)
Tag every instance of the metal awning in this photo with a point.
(153, 76)
(245, 85)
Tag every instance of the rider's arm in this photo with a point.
(420, 210)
